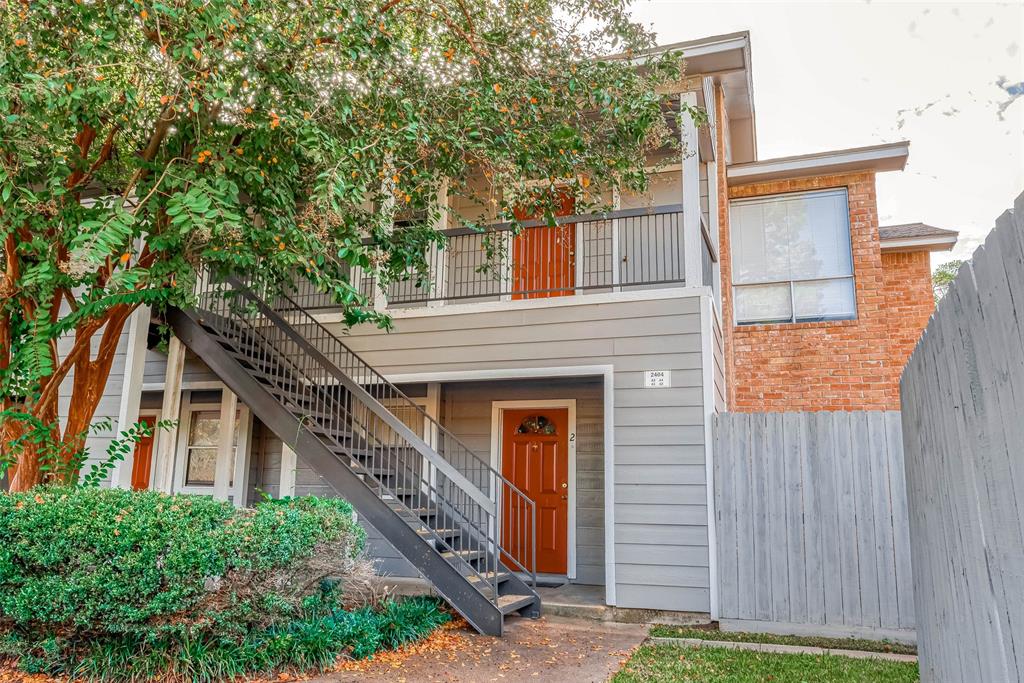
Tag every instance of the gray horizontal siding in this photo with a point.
(652, 426)
(98, 440)
(195, 370)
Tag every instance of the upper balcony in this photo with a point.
(663, 238)
(616, 251)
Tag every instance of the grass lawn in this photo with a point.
(660, 631)
(655, 663)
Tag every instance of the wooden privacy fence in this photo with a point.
(812, 529)
(963, 422)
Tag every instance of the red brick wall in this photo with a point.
(910, 302)
(837, 365)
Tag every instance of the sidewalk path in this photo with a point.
(547, 649)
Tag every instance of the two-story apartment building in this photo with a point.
(552, 413)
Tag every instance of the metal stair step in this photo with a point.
(417, 512)
(375, 471)
(278, 390)
(489, 577)
(464, 555)
(443, 533)
(399, 492)
(513, 603)
(320, 421)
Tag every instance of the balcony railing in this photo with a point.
(616, 251)
(577, 255)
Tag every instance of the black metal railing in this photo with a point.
(581, 254)
(434, 479)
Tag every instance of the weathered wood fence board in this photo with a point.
(812, 522)
(963, 426)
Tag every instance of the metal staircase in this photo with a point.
(466, 528)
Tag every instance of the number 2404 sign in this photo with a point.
(655, 379)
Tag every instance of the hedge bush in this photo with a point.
(119, 584)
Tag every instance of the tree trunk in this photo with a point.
(88, 382)
(29, 471)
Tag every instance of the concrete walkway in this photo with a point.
(547, 649)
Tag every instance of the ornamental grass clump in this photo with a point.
(125, 585)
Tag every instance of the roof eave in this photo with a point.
(933, 243)
(725, 58)
(878, 158)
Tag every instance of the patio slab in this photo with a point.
(546, 649)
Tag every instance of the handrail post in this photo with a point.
(533, 544)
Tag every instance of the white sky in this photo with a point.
(830, 75)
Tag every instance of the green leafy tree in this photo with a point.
(943, 276)
(142, 141)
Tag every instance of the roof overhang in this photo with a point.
(726, 60)
(932, 243)
(887, 157)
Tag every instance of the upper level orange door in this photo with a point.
(535, 458)
(544, 258)
(143, 463)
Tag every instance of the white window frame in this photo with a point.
(242, 450)
(792, 283)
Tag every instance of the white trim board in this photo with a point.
(498, 409)
(456, 308)
(887, 157)
(198, 385)
(934, 243)
(708, 321)
(605, 371)
(131, 392)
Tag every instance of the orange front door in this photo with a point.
(544, 258)
(535, 458)
(143, 456)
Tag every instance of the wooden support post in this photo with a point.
(439, 277)
(714, 228)
(131, 391)
(616, 245)
(243, 458)
(170, 410)
(225, 445)
(289, 462)
(692, 240)
(387, 211)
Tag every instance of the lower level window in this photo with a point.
(791, 258)
(203, 437)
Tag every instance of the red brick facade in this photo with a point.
(910, 302)
(837, 365)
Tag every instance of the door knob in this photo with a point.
(565, 485)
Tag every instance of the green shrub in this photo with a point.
(87, 572)
(314, 640)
